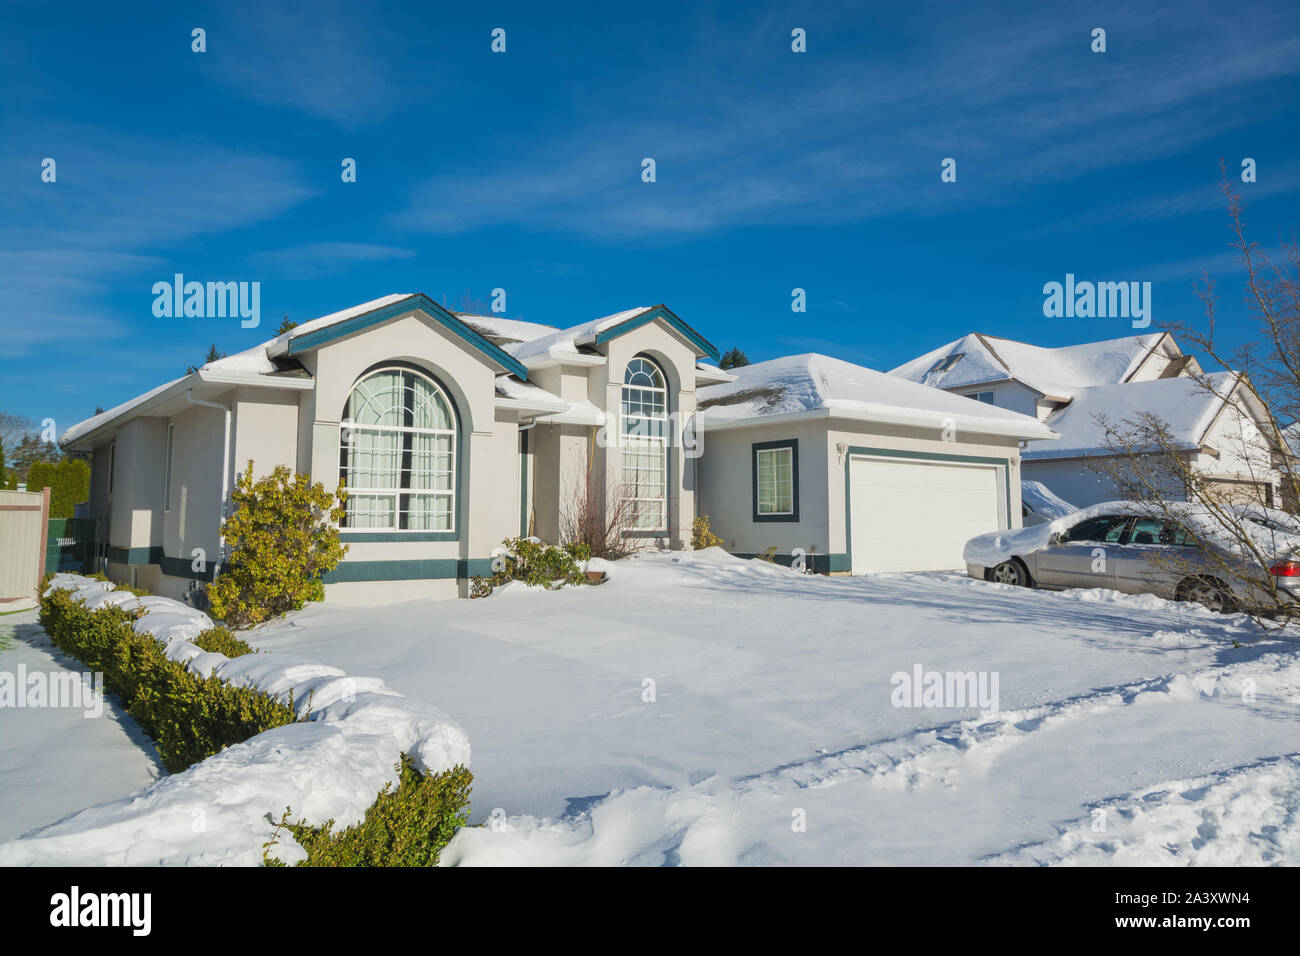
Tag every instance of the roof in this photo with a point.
(1056, 372)
(1186, 407)
(818, 386)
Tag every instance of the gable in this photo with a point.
(494, 354)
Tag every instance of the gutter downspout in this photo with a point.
(225, 478)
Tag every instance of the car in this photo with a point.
(1179, 552)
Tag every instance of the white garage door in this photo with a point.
(917, 515)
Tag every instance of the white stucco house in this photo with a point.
(453, 432)
(1075, 388)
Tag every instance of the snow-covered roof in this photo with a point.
(1057, 372)
(504, 332)
(95, 421)
(1186, 407)
(568, 340)
(814, 385)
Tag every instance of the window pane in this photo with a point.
(775, 468)
(370, 511)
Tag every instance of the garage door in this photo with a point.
(918, 515)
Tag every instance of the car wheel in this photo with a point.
(1010, 572)
(1207, 592)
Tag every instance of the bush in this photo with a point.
(408, 826)
(189, 717)
(283, 538)
(68, 481)
(536, 563)
(219, 640)
(702, 535)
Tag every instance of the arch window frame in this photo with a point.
(402, 461)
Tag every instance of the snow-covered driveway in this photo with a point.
(1129, 729)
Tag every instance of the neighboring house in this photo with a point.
(859, 470)
(1075, 388)
(453, 432)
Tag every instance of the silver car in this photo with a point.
(1119, 546)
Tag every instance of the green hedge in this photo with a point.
(408, 826)
(188, 716)
(191, 718)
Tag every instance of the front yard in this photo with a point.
(703, 710)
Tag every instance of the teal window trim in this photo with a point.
(660, 312)
(1004, 463)
(755, 448)
(418, 302)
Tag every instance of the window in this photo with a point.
(945, 363)
(167, 470)
(776, 481)
(985, 397)
(645, 445)
(112, 465)
(397, 454)
(1106, 529)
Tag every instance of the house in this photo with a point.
(1076, 388)
(859, 470)
(453, 432)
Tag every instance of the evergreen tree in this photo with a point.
(733, 358)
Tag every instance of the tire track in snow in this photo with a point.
(1246, 815)
(943, 754)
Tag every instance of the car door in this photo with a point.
(1146, 561)
(1083, 556)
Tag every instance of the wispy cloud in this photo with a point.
(844, 137)
(315, 260)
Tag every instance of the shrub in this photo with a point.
(702, 535)
(408, 826)
(68, 481)
(219, 640)
(189, 717)
(540, 564)
(283, 538)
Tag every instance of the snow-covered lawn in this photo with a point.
(56, 760)
(1130, 730)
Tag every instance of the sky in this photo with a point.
(523, 170)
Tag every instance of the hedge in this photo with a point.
(191, 718)
(408, 826)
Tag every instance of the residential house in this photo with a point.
(1077, 389)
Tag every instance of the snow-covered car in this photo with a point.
(1184, 554)
(1040, 505)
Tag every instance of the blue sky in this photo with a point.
(522, 170)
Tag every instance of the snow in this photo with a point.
(808, 383)
(1041, 500)
(331, 764)
(1058, 372)
(772, 702)
(1186, 407)
(568, 340)
(508, 331)
(56, 760)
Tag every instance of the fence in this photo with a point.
(70, 545)
(23, 518)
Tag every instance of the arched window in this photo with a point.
(645, 445)
(397, 453)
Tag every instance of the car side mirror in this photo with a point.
(1057, 537)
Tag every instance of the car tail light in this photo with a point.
(1285, 569)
